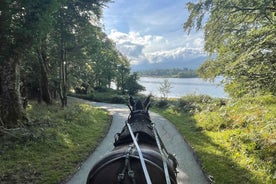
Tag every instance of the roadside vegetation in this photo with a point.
(53, 144)
(234, 139)
(107, 96)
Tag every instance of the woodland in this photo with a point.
(49, 48)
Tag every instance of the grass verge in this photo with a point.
(235, 139)
(53, 144)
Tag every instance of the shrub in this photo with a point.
(118, 99)
(161, 103)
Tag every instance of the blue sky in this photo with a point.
(150, 31)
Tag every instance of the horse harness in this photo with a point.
(130, 162)
(126, 167)
(135, 146)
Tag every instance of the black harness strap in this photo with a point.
(131, 173)
(127, 167)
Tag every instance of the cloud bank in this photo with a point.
(150, 32)
(154, 48)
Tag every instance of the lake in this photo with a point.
(183, 86)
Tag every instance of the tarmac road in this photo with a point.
(189, 170)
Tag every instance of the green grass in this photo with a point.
(235, 141)
(53, 144)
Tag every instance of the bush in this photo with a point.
(118, 99)
(161, 103)
(241, 131)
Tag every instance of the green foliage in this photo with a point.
(108, 96)
(122, 75)
(132, 86)
(161, 103)
(195, 103)
(248, 128)
(53, 144)
(235, 139)
(58, 45)
(76, 54)
(241, 40)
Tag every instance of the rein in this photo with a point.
(159, 144)
(165, 165)
(132, 163)
(140, 154)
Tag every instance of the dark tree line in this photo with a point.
(49, 47)
(173, 72)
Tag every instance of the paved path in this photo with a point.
(189, 170)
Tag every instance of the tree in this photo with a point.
(132, 86)
(27, 25)
(21, 22)
(72, 18)
(241, 40)
(165, 88)
(123, 71)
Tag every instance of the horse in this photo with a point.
(139, 155)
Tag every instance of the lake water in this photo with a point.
(183, 86)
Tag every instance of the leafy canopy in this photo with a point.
(240, 37)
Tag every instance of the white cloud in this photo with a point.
(151, 31)
(195, 41)
(174, 54)
(154, 48)
(134, 37)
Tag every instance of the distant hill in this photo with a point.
(189, 63)
(174, 73)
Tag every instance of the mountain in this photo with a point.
(188, 62)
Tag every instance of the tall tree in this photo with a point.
(132, 86)
(21, 22)
(44, 72)
(25, 25)
(240, 37)
(73, 15)
(123, 74)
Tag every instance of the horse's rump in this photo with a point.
(116, 167)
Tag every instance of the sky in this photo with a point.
(151, 31)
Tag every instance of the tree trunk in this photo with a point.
(44, 81)
(12, 113)
(63, 77)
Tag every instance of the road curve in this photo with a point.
(189, 170)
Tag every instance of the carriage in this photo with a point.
(139, 155)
